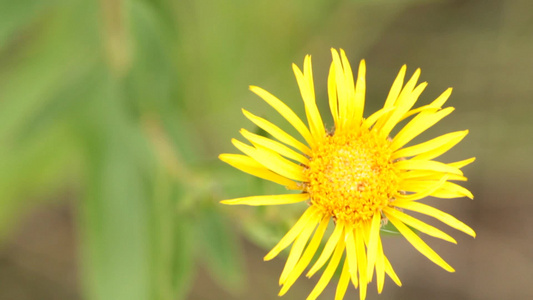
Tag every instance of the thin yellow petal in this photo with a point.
(328, 249)
(437, 214)
(418, 125)
(277, 133)
(426, 186)
(419, 225)
(370, 121)
(396, 88)
(250, 166)
(380, 268)
(384, 267)
(342, 89)
(274, 146)
(390, 271)
(328, 273)
(361, 262)
(332, 95)
(285, 111)
(446, 190)
(452, 190)
(426, 191)
(267, 200)
(308, 95)
(403, 103)
(360, 90)
(428, 175)
(272, 161)
(462, 163)
(372, 249)
(433, 106)
(344, 281)
(392, 97)
(292, 234)
(351, 255)
(297, 248)
(432, 148)
(347, 76)
(430, 165)
(418, 243)
(308, 73)
(442, 98)
(307, 256)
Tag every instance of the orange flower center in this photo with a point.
(351, 176)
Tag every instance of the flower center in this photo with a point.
(351, 176)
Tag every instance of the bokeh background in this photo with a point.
(112, 114)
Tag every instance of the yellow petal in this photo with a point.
(342, 90)
(437, 214)
(361, 262)
(277, 133)
(360, 91)
(250, 166)
(307, 256)
(285, 111)
(297, 248)
(267, 200)
(390, 271)
(446, 190)
(432, 148)
(292, 234)
(396, 88)
(462, 163)
(418, 125)
(332, 95)
(368, 122)
(328, 273)
(272, 161)
(351, 255)
(328, 249)
(308, 95)
(419, 245)
(274, 146)
(405, 101)
(439, 102)
(308, 74)
(428, 175)
(430, 165)
(380, 268)
(426, 191)
(344, 281)
(372, 249)
(452, 190)
(434, 106)
(419, 225)
(425, 186)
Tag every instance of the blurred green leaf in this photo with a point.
(115, 214)
(16, 15)
(173, 242)
(220, 249)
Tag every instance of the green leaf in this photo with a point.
(115, 214)
(220, 249)
(173, 245)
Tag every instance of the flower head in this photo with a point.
(356, 175)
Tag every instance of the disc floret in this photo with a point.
(351, 175)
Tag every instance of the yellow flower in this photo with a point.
(356, 175)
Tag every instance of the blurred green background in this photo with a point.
(112, 114)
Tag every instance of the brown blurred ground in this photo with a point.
(484, 49)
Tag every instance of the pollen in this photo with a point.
(351, 175)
